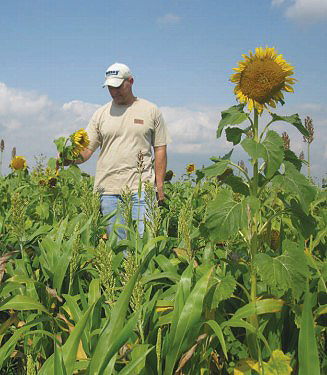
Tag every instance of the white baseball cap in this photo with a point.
(115, 74)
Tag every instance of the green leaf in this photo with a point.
(290, 156)
(219, 333)
(188, 320)
(234, 135)
(270, 150)
(22, 303)
(274, 152)
(139, 355)
(224, 289)
(254, 149)
(259, 307)
(237, 184)
(216, 169)
(42, 209)
(285, 271)
(224, 216)
(116, 332)
(278, 364)
(60, 143)
(305, 224)
(69, 349)
(232, 116)
(307, 347)
(293, 119)
(292, 181)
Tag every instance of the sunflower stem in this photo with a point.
(253, 227)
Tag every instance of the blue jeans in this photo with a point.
(111, 202)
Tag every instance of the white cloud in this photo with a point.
(305, 11)
(168, 19)
(192, 131)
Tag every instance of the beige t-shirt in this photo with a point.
(122, 132)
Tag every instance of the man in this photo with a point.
(126, 129)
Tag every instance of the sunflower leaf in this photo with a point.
(294, 120)
(285, 271)
(60, 143)
(292, 181)
(234, 135)
(216, 169)
(225, 216)
(231, 116)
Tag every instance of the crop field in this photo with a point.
(229, 277)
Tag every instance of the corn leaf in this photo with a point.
(307, 347)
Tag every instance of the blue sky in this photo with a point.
(54, 55)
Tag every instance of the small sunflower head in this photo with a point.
(261, 77)
(80, 139)
(18, 163)
(190, 168)
(52, 181)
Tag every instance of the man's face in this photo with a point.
(122, 94)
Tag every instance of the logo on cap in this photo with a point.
(112, 72)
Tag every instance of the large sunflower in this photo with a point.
(261, 77)
(18, 163)
(81, 139)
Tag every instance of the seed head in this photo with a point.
(310, 128)
(286, 140)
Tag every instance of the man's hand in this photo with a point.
(160, 194)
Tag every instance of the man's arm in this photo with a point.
(160, 165)
(85, 154)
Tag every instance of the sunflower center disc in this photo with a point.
(261, 80)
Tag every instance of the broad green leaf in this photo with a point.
(294, 120)
(290, 156)
(278, 364)
(234, 135)
(254, 149)
(307, 346)
(183, 292)
(237, 184)
(224, 216)
(188, 320)
(60, 143)
(42, 210)
(305, 224)
(271, 150)
(263, 306)
(285, 271)
(274, 152)
(224, 289)
(232, 116)
(22, 303)
(59, 365)
(216, 169)
(292, 181)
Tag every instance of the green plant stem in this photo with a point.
(253, 228)
(309, 172)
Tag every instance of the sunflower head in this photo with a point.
(80, 139)
(261, 77)
(18, 163)
(190, 168)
